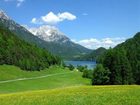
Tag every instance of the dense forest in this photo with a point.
(14, 51)
(120, 65)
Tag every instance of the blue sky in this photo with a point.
(95, 19)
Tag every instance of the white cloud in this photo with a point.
(52, 18)
(93, 43)
(19, 2)
(66, 16)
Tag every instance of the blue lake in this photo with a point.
(89, 64)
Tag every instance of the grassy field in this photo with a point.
(8, 72)
(56, 81)
(83, 95)
(64, 88)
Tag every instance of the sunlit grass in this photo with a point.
(66, 89)
(83, 95)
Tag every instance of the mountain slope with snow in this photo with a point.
(46, 37)
(49, 34)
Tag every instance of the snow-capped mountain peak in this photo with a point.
(3, 15)
(47, 37)
(49, 33)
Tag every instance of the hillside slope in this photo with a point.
(14, 51)
(132, 47)
(9, 72)
(123, 62)
(93, 55)
(51, 78)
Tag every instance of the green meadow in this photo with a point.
(12, 72)
(60, 86)
(56, 77)
(80, 95)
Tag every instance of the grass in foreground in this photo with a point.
(83, 95)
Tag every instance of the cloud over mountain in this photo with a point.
(93, 43)
(52, 18)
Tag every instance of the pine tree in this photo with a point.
(100, 75)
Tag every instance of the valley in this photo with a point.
(71, 52)
(66, 88)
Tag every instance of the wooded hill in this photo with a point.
(122, 62)
(14, 51)
(93, 55)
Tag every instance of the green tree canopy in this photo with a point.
(100, 75)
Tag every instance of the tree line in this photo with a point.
(120, 65)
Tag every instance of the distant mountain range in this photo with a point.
(46, 37)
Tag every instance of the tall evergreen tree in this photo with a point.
(100, 75)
